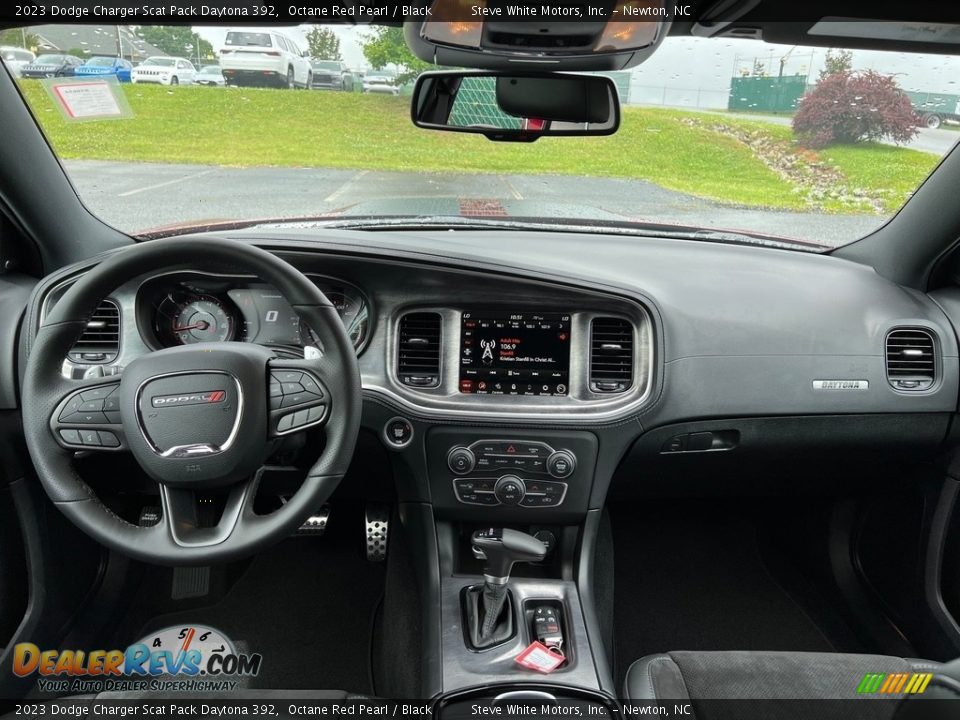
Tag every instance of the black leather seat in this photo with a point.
(696, 677)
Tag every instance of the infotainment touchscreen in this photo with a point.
(515, 353)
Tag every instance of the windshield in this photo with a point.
(160, 61)
(49, 59)
(326, 65)
(210, 70)
(101, 62)
(716, 134)
(248, 38)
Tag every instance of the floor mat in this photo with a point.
(307, 606)
(690, 577)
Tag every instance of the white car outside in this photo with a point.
(264, 57)
(15, 58)
(164, 71)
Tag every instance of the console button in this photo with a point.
(561, 464)
(460, 460)
(509, 490)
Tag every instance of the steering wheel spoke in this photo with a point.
(184, 510)
(298, 396)
(88, 417)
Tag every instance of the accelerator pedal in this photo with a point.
(377, 520)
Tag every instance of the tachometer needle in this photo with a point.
(202, 325)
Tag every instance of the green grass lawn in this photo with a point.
(257, 127)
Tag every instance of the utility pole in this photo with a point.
(119, 43)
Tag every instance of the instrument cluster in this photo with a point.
(187, 308)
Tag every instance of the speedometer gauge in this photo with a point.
(201, 320)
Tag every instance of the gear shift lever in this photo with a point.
(501, 548)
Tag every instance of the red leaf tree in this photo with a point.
(850, 107)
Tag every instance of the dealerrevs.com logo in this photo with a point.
(188, 658)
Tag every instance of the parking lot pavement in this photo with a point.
(140, 196)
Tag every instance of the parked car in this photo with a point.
(164, 71)
(332, 74)
(264, 57)
(15, 58)
(211, 75)
(381, 83)
(105, 67)
(51, 65)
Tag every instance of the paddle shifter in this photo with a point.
(488, 610)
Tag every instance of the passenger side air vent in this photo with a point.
(100, 342)
(611, 355)
(911, 359)
(418, 350)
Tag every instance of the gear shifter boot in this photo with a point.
(489, 615)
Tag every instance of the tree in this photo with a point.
(386, 46)
(16, 37)
(850, 107)
(175, 40)
(838, 61)
(78, 52)
(323, 44)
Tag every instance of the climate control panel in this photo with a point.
(510, 474)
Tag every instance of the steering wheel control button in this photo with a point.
(71, 437)
(509, 490)
(461, 461)
(292, 388)
(286, 423)
(561, 464)
(90, 437)
(398, 433)
(311, 386)
(108, 439)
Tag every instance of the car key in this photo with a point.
(546, 626)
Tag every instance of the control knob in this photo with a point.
(561, 464)
(509, 490)
(460, 460)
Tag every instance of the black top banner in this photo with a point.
(707, 12)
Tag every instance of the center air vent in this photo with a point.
(100, 342)
(418, 350)
(911, 359)
(611, 355)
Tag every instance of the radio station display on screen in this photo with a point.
(508, 353)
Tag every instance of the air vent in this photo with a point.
(418, 350)
(611, 355)
(911, 359)
(100, 342)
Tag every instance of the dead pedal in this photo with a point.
(377, 520)
(316, 524)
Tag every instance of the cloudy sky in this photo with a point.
(691, 71)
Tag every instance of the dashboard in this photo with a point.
(510, 373)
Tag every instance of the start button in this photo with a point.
(398, 433)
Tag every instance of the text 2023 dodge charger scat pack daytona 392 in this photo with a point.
(606, 364)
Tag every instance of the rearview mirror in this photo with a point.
(516, 107)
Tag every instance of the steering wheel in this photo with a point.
(196, 418)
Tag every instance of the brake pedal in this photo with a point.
(377, 519)
(316, 524)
